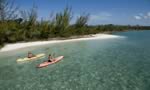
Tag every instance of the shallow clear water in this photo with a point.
(110, 64)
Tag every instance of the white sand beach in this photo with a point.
(10, 47)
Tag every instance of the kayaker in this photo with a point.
(30, 55)
(50, 58)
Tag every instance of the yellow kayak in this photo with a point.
(29, 59)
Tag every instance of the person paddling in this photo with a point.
(50, 58)
(30, 55)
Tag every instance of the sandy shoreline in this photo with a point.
(10, 47)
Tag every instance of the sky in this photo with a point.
(122, 12)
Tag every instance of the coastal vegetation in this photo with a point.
(18, 25)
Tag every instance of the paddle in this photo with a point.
(53, 54)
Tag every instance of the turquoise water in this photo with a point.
(110, 64)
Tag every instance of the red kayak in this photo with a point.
(44, 64)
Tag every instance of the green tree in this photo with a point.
(81, 24)
(62, 21)
(82, 21)
(29, 23)
(7, 10)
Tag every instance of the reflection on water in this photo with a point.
(114, 64)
